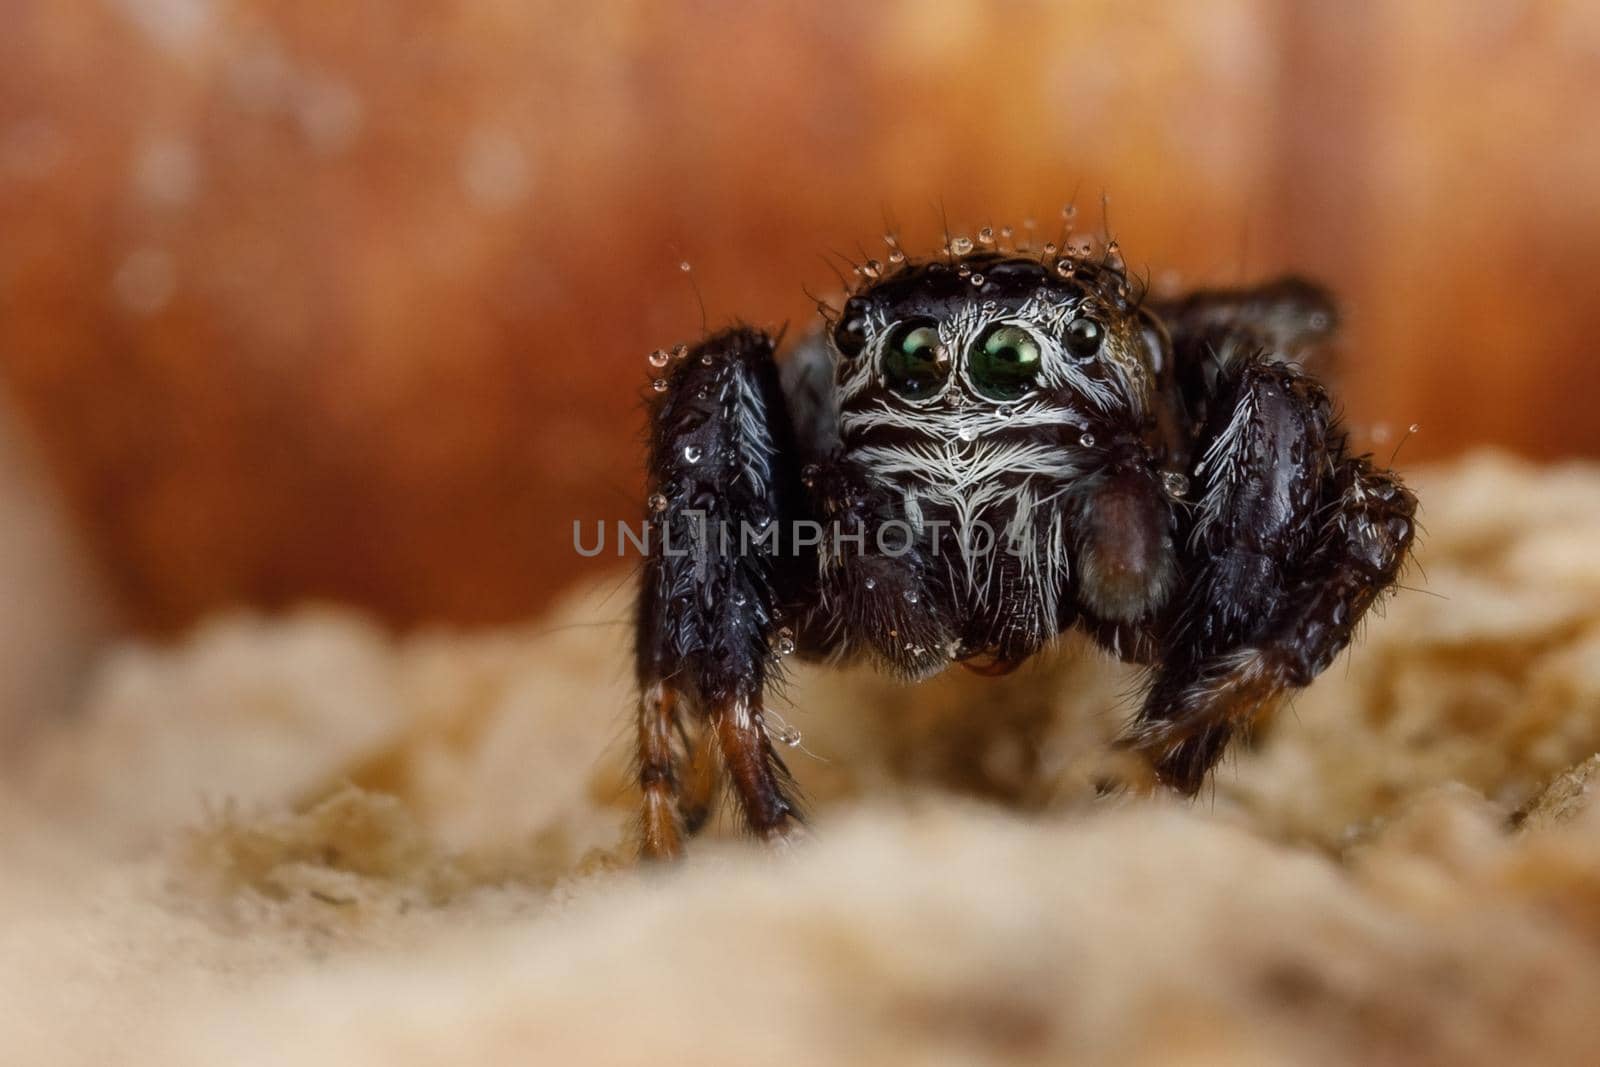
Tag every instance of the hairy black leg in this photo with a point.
(716, 586)
(1288, 317)
(1292, 542)
(878, 587)
(808, 386)
(1215, 331)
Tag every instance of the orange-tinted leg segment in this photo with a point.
(661, 830)
(700, 783)
(760, 780)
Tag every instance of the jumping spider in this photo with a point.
(1164, 475)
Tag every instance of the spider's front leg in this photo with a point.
(879, 589)
(710, 617)
(1292, 541)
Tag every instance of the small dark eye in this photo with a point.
(1004, 363)
(850, 335)
(1084, 337)
(914, 360)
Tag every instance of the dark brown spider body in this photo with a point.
(987, 450)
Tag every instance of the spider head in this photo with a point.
(994, 330)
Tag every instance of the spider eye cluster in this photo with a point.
(1002, 364)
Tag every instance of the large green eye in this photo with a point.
(914, 360)
(1005, 362)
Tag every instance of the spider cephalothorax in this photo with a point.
(988, 449)
(1013, 405)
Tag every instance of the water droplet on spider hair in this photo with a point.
(961, 246)
(1004, 411)
(659, 385)
(968, 433)
(692, 453)
(783, 642)
(911, 596)
(872, 269)
(986, 237)
(977, 279)
(869, 584)
(1065, 267)
(685, 267)
(659, 358)
(788, 735)
(658, 502)
(897, 256)
(1086, 439)
(1176, 485)
(679, 351)
(1415, 427)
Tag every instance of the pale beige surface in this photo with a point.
(54, 610)
(304, 842)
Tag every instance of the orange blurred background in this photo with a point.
(351, 300)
